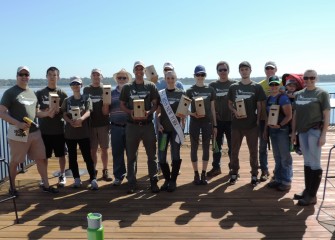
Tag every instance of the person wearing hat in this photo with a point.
(270, 69)
(253, 97)
(76, 112)
(140, 128)
(223, 115)
(24, 138)
(280, 136)
(291, 87)
(99, 123)
(51, 122)
(118, 120)
(161, 84)
(204, 123)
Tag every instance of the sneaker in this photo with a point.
(273, 184)
(203, 179)
(154, 187)
(62, 180)
(254, 181)
(41, 184)
(50, 189)
(106, 176)
(165, 185)
(94, 185)
(13, 192)
(233, 179)
(283, 187)
(131, 188)
(197, 180)
(77, 183)
(117, 182)
(214, 172)
(264, 176)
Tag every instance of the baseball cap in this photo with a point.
(168, 65)
(270, 64)
(244, 64)
(138, 63)
(274, 79)
(291, 81)
(96, 70)
(19, 69)
(76, 79)
(199, 69)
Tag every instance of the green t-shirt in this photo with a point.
(85, 104)
(98, 119)
(55, 125)
(20, 103)
(208, 94)
(223, 112)
(132, 91)
(251, 94)
(309, 106)
(173, 97)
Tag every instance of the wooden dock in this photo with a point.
(215, 211)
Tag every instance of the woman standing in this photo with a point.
(279, 134)
(204, 123)
(76, 112)
(170, 130)
(118, 120)
(311, 121)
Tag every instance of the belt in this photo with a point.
(140, 123)
(118, 124)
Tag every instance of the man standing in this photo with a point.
(52, 126)
(223, 115)
(140, 128)
(24, 138)
(99, 128)
(249, 95)
(270, 69)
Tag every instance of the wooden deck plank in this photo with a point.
(215, 211)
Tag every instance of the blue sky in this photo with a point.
(78, 35)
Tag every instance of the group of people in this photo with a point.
(234, 109)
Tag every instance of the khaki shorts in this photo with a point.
(99, 136)
(33, 148)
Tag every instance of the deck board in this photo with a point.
(215, 211)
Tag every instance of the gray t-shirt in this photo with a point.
(132, 91)
(20, 103)
(309, 106)
(208, 94)
(251, 94)
(223, 112)
(55, 125)
(173, 97)
(85, 104)
(98, 119)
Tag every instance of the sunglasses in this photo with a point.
(309, 78)
(273, 84)
(200, 75)
(75, 84)
(269, 68)
(223, 70)
(23, 74)
(121, 78)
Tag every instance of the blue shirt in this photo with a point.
(116, 114)
(161, 84)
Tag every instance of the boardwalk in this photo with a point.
(216, 211)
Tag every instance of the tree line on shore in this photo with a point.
(86, 81)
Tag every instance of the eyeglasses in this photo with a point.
(121, 78)
(273, 84)
(200, 75)
(309, 78)
(23, 74)
(223, 70)
(269, 68)
(75, 84)
(168, 69)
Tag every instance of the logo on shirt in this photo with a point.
(244, 95)
(26, 101)
(303, 101)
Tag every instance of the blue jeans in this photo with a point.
(175, 147)
(263, 150)
(281, 152)
(118, 143)
(223, 127)
(309, 144)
